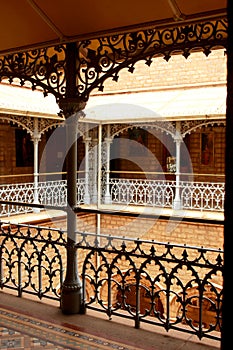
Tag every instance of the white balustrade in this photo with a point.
(160, 193)
(200, 196)
(49, 193)
(203, 196)
(142, 192)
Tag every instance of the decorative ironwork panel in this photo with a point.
(203, 196)
(52, 193)
(32, 260)
(173, 286)
(23, 192)
(169, 285)
(188, 126)
(142, 192)
(104, 57)
(152, 193)
(43, 68)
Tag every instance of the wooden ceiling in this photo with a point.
(27, 24)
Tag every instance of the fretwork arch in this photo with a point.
(27, 123)
(189, 126)
(167, 127)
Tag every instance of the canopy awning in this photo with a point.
(22, 101)
(168, 104)
(158, 105)
(27, 24)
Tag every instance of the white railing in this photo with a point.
(160, 193)
(152, 193)
(155, 193)
(48, 192)
(203, 196)
(16, 193)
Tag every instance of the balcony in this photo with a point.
(199, 199)
(155, 286)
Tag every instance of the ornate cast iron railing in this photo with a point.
(203, 195)
(152, 193)
(51, 193)
(155, 193)
(169, 285)
(32, 260)
(160, 193)
(101, 58)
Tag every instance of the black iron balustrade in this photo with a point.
(170, 285)
(32, 260)
(174, 286)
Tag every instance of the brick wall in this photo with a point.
(197, 69)
(209, 235)
(190, 233)
(156, 150)
(9, 171)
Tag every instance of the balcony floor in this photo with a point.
(50, 214)
(31, 324)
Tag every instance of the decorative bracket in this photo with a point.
(96, 60)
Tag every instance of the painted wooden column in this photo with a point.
(71, 290)
(178, 140)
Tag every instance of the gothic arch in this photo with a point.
(129, 286)
(211, 295)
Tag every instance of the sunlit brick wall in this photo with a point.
(196, 70)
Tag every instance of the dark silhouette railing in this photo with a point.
(32, 260)
(169, 285)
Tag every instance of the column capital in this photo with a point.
(70, 106)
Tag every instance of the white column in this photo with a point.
(94, 169)
(178, 140)
(99, 178)
(36, 138)
(87, 141)
(108, 141)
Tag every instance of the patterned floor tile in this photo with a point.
(19, 332)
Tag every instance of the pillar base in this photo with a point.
(107, 199)
(71, 299)
(177, 204)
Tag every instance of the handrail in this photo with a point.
(40, 174)
(160, 173)
(176, 287)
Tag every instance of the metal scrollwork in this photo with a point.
(44, 68)
(104, 57)
(164, 284)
